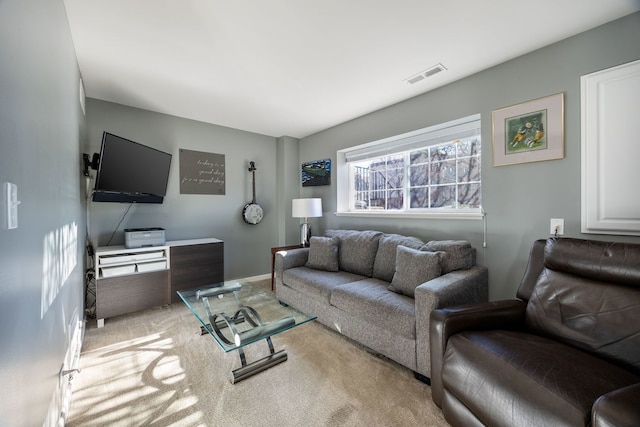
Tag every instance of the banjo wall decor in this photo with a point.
(252, 212)
(201, 173)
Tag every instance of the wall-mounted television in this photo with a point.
(130, 172)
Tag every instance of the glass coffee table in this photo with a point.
(238, 313)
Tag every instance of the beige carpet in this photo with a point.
(153, 368)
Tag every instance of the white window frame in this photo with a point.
(433, 135)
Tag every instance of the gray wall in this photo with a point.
(189, 216)
(41, 262)
(519, 200)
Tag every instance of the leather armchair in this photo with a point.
(565, 352)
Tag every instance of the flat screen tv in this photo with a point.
(130, 172)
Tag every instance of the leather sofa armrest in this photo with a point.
(445, 322)
(617, 408)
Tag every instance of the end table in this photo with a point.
(273, 259)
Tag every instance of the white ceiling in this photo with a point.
(296, 67)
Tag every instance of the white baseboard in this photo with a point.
(255, 278)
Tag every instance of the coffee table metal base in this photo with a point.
(250, 369)
(260, 330)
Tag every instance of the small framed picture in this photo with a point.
(316, 173)
(529, 132)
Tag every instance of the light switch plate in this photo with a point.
(11, 201)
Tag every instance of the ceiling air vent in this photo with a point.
(424, 74)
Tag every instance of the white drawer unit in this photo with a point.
(118, 260)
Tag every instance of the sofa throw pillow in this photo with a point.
(414, 267)
(385, 264)
(323, 253)
(460, 254)
(357, 250)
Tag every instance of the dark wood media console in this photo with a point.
(134, 279)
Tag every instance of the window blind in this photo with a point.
(464, 128)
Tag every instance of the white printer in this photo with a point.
(143, 237)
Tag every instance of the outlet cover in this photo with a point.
(557, 226)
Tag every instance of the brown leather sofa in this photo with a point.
(565, 353)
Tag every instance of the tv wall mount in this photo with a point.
(93, 163)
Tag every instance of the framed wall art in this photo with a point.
(202, 173)
(529, 132)
(316, 173)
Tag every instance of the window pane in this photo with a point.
(469, 196)
(376, 165)
(377, 180)
(421, 156)
(377, 200)
(419, 175)
(469, 147)
(395, 178)
(469, 169)
(360, 201)
(443, 172)
(419, 198)
(443, 196)
(443, 152)
(361, 178)
(396, 199)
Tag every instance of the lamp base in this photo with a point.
(305, 234)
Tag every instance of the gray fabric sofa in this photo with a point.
(379, 289)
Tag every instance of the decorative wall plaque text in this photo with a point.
(201, 173)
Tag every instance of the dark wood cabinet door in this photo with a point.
(128, 294)
(195, 265)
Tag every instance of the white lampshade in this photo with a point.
(306, 208)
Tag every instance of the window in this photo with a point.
(433, 170)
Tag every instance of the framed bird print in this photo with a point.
(529, 132)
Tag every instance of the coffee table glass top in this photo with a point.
(238, 313)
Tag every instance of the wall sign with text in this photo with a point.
(201, 173)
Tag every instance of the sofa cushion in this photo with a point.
(384, 265)
(514, 378)
(370, 300)
(357, 250)
(316, 283)
(414, 267)
(323, 253)
(460, 254)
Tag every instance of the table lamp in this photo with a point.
(306, 208)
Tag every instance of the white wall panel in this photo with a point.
(610, 150)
